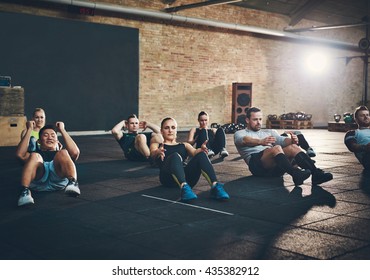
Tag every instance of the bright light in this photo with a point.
(317, 62)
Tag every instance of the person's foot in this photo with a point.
(310, 152)
(25, 197)
(299, 175)
(218, 192)
(187, 193)
(72, 188)
(319, 177)
(224, 153)
(210, 153)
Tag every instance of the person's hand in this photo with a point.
(269, 141)
(161, 152)
(204, 147)
(30, 125)
(294, 138)
(143, 125)
(60, 126)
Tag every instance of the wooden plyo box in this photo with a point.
(11, 101)
(288, 124)
(10, 130)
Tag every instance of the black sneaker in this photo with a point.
(25, 197)
(72, 188)
(319, 177)
(299, 175)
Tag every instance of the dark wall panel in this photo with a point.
(84, 74)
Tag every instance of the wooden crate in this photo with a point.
(341, 126)
(11, 101)
(303, 124)
(10, 130)
(288, 124)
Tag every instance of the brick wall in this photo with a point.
(186, 68)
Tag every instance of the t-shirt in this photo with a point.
(247, 151)
(358, 136)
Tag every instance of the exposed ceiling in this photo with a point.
(327, 12)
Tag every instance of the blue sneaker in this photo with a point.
(218, 192)
(187, 193)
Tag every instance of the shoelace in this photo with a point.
(25, 192)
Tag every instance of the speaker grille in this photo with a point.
(242, 101)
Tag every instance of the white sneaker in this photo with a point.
(224, 153)
(310, 152)
(210, 153)
(72, 188)
(25, 197)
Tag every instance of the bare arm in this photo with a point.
(191, 140)
(144, 125)
(22, 148)
(358, 148)
(70, 145)
(157, 151)
(193, 151)
(251, 142)
(117, 129)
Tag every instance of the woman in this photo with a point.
(39, 119)
(171, 156)
(216, 137)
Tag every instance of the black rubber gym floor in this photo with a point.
(123, 212)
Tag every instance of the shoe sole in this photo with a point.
(72, 192)
(27, 203)
(322, 181)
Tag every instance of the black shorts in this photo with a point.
(257, 169)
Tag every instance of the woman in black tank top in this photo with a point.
(216, 138)
(171, 157)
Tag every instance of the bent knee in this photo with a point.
(62, 154)
(140, 138)
(35, 157)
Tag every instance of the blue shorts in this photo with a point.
(50, 181)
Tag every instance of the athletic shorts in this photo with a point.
(257, 169)
(50, 181)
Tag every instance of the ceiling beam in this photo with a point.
(200, 4)
(298, 14)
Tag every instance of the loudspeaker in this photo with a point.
(242, 101)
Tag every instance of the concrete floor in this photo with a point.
(124, 212)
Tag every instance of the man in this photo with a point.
(269, 154)
(135, 144)
(358, 141)
(51, 167)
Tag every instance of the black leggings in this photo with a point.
(366, 161)
(173, 172)
(216, 142)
